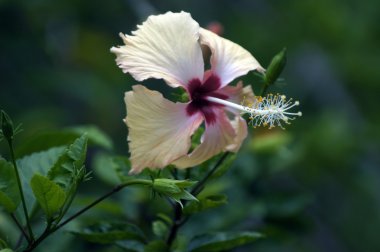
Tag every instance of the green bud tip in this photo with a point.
(275, 67)
(6, 125)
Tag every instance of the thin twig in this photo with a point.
(199, 186)
(97, 201)
(43, 236)
(24, 234)
(31, 236)
(176, 224)
(188, 174)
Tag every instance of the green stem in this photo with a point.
(174, 173)
(31, 236)
(114, 190)
(188, 174)
(43, 236)
(178, 219)
(48, 231)
(176, 224)
(199, 186)
(67, 204)
(264, 89)
(20, 227)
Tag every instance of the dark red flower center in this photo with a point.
(199, 91)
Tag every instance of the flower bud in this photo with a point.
(6, 126)
(174, 189)
(275, 67)
(171, 186)
(166, 186)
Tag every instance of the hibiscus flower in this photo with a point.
(168, 47)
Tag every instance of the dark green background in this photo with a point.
(313, 187)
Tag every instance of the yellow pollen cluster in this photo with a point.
(272, 111)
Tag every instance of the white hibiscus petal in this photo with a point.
(238, 93)
(217, 137)
(240, 127)
(159, 130)
(228, 59)
(163, 47)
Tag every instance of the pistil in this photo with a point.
(268, 111)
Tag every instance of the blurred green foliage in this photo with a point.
(312, 187)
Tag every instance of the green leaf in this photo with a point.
(95, 136)
(69, 168)
(40, 163)
(6, 250)
(185, 195)
(165, 218)
(205, 203)
(49, 195)
(160, 229)
(3, 244)
(155, 246)
(131, 246)
(107, 168)
(180, 244)
(9, 194)
(221, 241)
(111, 232)
(7, 203)
(77, 151)
(46, 140)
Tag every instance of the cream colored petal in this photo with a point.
(159, 130)
(163, 47)
(239, 95)
(240, 127)
(216, 138)
(228, 59)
